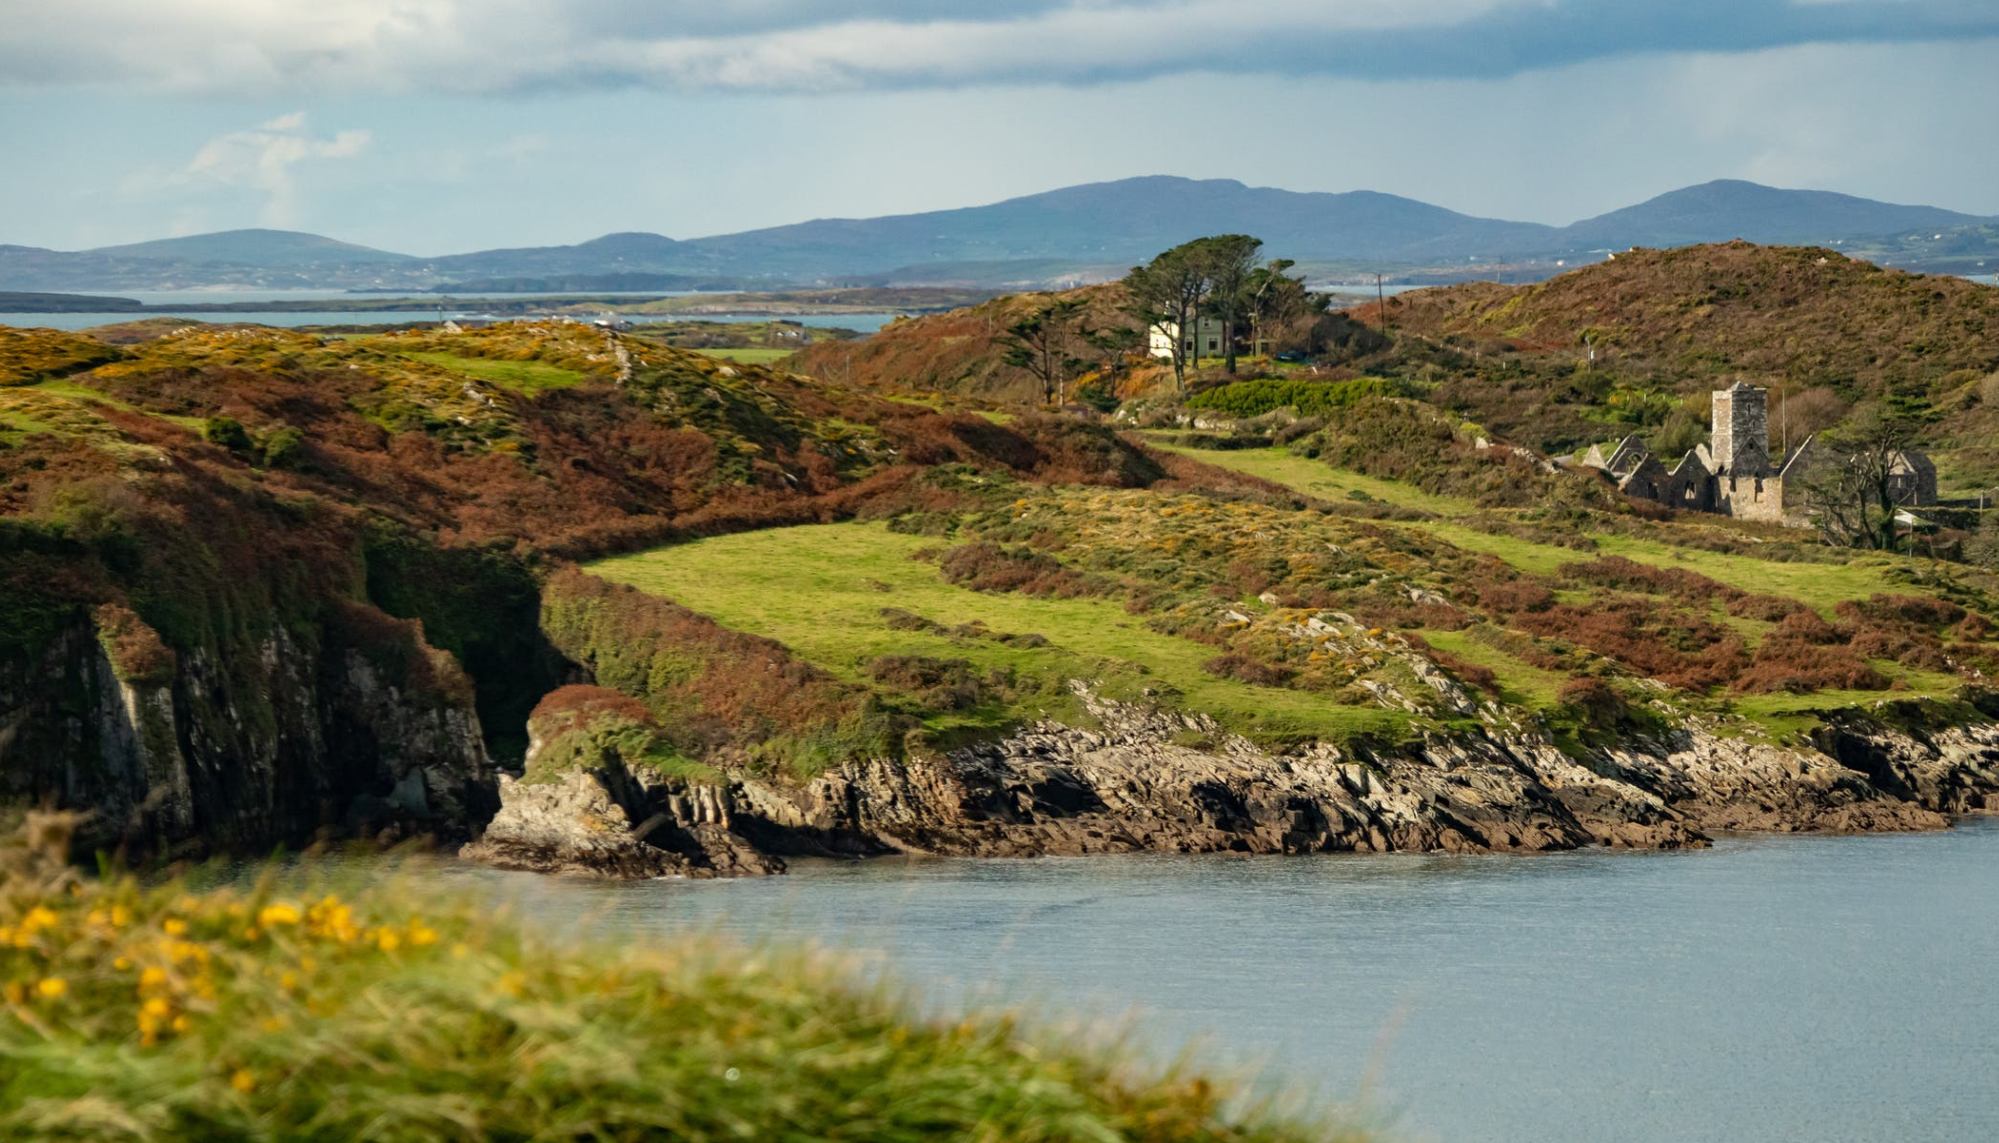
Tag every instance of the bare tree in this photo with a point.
(1849, 480)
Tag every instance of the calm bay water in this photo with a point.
(864, 323)
(1824, 989)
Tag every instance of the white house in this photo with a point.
(1207, 339)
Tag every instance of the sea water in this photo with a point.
(1772, 988)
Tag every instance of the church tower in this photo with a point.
(1742, 431)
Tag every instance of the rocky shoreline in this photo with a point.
(1127, 786)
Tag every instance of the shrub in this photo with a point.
(1767, 608)
(226, 432)
(1311, 398)
(284, 448)
(1247, 669)
(938, 684)
(1515, 596)
(1623, 574)
(1467, 672)
(136, 652)
(1594, 701)
(985, 566)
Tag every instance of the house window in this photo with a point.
(1211, 345)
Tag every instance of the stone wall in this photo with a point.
(1755, 498)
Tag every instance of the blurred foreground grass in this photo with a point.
(138, 1011)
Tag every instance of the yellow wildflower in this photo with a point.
(152, 976)
(174, 926)
(243, 1081)
(279, 913)
(50, 987)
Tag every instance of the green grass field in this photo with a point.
(524, 377)
(820, 590)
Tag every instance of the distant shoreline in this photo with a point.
(786, 303)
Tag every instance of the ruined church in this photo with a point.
(1734, 475)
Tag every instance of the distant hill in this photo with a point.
(1050, 240)
(1729, 208)
(1124, 222)
(627, 252)
(265, 248)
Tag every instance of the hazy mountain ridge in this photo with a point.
(1061, 234)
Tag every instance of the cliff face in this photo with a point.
(190, 754)
(1127, 787)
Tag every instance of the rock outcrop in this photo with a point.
(1127, 787)
(592, 801)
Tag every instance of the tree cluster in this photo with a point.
(1217, 277)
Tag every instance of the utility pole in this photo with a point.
(1381, 302)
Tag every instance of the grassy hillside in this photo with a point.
(1386, 578)
(1668, 326)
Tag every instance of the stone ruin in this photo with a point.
(1734, 475)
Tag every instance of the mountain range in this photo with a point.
(1072, 234)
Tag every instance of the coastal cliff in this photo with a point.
(1130, 786)
(297, 730)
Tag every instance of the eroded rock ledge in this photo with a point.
(1127, 787)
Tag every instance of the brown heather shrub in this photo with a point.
(1621, 574)
(1495, 525)
(1805, 626)
(1672, 645)
(1515, 597)
(1801, 668)
(1467, 672)
(136, 651)
(1920, 610)
(1595, 701)
(581, 703)
(939, 684)
(985, 566)
(1381, 609)
(397, 648)
(1767, 608)
(1245, 668)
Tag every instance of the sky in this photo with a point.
(438, 126)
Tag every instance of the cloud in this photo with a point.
(262, 48)
(259, 160)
